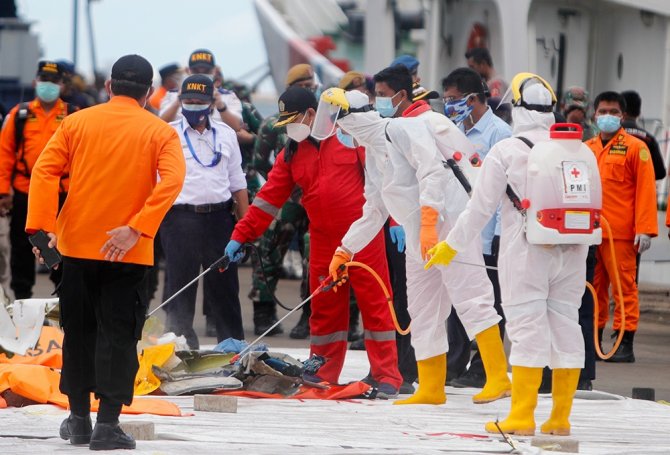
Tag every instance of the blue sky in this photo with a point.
(163, 31)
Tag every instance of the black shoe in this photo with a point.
(261, 326)
(469, 379)
(406, 388)
(451, 377)
(265, 316)
(210, 327)
(76, 429)
(110, 436)
(584, 384)
(386, 391)
(301, 329)
(358, 345)
(624, 353)
(300, 332)
(369, 380)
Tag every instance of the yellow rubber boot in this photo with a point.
(521, 419)
(432, 375)
(563, 387)
(492, 351)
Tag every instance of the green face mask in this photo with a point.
(47, 91)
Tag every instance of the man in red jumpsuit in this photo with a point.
(331, 176)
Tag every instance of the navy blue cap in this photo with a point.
(66, 65)
(408, 61)
(168, 70)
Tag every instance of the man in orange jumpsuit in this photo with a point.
(629, 205)
(331, 176)
(26, 131)
(115, 153)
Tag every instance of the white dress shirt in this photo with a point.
(207, 182)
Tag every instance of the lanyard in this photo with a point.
(217, 155)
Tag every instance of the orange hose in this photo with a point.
(617, 280)
(389, 299)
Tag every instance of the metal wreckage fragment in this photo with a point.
(211, 371)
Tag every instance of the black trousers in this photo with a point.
(586, 320)
(398, 277)
(22, 261)
(191, 243)
(459, 343)
(103, 307)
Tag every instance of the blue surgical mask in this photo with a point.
(195, 113)
(47, 91)
(457, 111)
(345, 139)
(608, 123)
(384, 105)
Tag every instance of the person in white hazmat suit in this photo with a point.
(405, 178)
(541, 285)
(454, 145)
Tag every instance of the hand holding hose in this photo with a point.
(441, 254)
(234, 251)
(340, 258)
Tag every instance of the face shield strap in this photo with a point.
(352, 110)
(534, 107)
(537, 107)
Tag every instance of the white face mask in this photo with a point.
(298, 131)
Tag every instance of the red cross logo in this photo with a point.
(575, 172)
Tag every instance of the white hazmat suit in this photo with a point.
(541, 286)
(404, 172)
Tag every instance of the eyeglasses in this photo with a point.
(451, 99)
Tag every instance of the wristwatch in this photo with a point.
(223, 109)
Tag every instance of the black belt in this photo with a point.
(205, 208)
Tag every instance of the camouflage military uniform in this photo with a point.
(275, 241)
(252, 120)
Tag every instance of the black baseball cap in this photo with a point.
(168, 70)
(201, 58)
(294, 101)
(199, 87)
(133, 68)
(421, 93)
(49, 69)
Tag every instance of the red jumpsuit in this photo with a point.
(332, 177)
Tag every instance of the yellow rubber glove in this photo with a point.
(340, 258)
(440, 254)
(428, 233)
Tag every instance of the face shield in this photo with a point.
(333, 104)
(325, 120)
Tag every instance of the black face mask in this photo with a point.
(195, 118)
